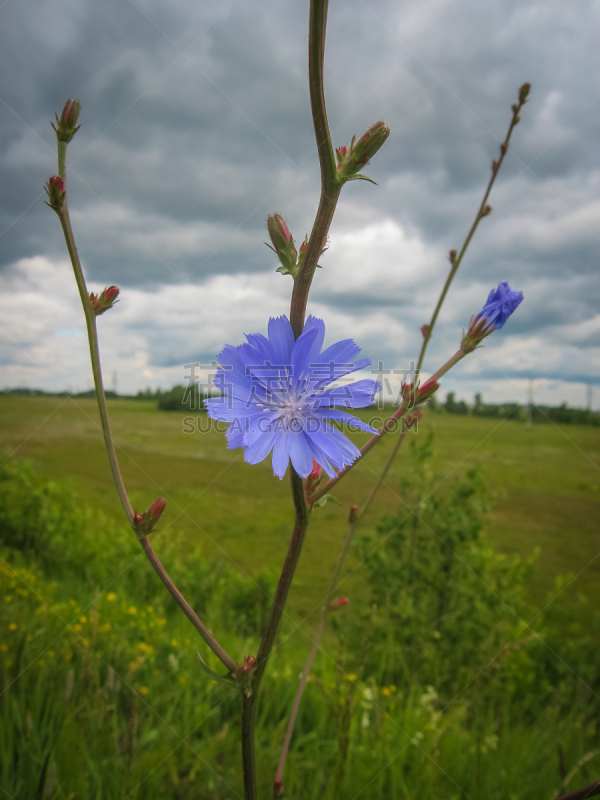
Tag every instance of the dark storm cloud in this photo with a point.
(196, 125)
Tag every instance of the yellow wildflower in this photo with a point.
(144, 690)
(82, 619)
(77, 627)
(13, 626)
(3, 647)
(111, 596)
(132, 610)
(351, 677)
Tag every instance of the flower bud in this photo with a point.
(312, 482)
(55, 189)
(157, 508)
(249, 663)
(452, 256)
(524, 93)
(278, 788)
(501, 303)
(486, 211)
(338, 603)
(425, 330)
(353, 515)
(427, 390)
(352, 159)
(283, 244)
(66, 127)
(144, 523)
(106, 300)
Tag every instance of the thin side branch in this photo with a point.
(90, 320)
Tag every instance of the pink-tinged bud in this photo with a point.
(312, 482)
(427, 390)
(66, 127)
(410, 398)
(352, 159)
(486, 211)
(340, 602)
(452, 256)
(144, 523)
(106, 300)
(278, 788)
(55, 189)
(414, 415)
(157, 508)
(249, 663)
(317, 470)
(353, 515)
(283, 244)
(425, 331)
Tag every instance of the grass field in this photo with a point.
(546, 480)
(100, 690)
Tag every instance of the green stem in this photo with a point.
(90, 320)
(330, 188)
(456, 261)
(266, 645)
(330, 191)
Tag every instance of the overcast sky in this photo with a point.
(195, 125)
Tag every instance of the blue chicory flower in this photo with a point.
(275, 398)
(500, 305)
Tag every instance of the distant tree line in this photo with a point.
(536, 413)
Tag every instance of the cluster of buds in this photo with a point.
(412, 397)
(311, 483)
(291, 260)
(352, 159)
(66, 127)
(249, 664)
(338, 603)
(144, 523)
(55, 189)
(105, 301)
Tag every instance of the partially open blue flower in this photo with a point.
(275, 398)
(500, 305)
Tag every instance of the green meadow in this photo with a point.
(462, 667)
(546, 482)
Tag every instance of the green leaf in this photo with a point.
(358, 177)
(327, 498)
(226, 679)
